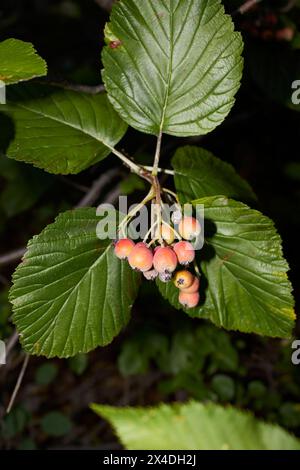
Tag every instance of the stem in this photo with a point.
(135, 210)
(197, 269)
(157, 207)
(18, 384)
(168, 191)
(173, 229)
(160, 170)
(134, 167)
(149, 231)
(157, 155)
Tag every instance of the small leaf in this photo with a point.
(56, 424)
(14, 423)
(244, 284)
(224, 387)
(46, 373)
(198, 173)
(19, 61)
(194, 426)
(172, 66)
(59, 130)
(71, 294)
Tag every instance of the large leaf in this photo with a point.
(244, 284)
(19, 61)
(71, 294)
(194, 426)
(172, 66)
(61, 131)
(198, 173)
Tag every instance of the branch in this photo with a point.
(96, 188)
(18, 384)
(11, 257)
(245, 7)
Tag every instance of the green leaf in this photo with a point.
(19, 61)
(15, 422)
(224, 387)
(59, 130)
(46, 373)
(244, 284)
(198, 173)
(172, 66)
(71, 294)
(194, 426)
(56, 424)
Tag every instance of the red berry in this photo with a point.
(185, 252)
(189, 300)
(189, 228)
(193, 288)
(183, 279)
(165, 260)
(141, 258)
(123, 248)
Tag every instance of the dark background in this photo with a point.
(161, 355)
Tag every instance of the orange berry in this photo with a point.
(165, 260)
(189, 228)
(185, 252)
(183, 279)
(189, 300)
(167, 234)
(141, 258)
(123, 248)
(193, 288)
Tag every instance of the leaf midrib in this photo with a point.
(65, 123)
(170, 70)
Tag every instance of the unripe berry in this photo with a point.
(141, 258)
(189, 300)
(185, 252)
(123, 248)
(189, 228)
(151, 275)
(193, 288)
(167, 234)
(183, 279)
(165, 260)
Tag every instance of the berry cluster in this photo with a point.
(163, 260)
